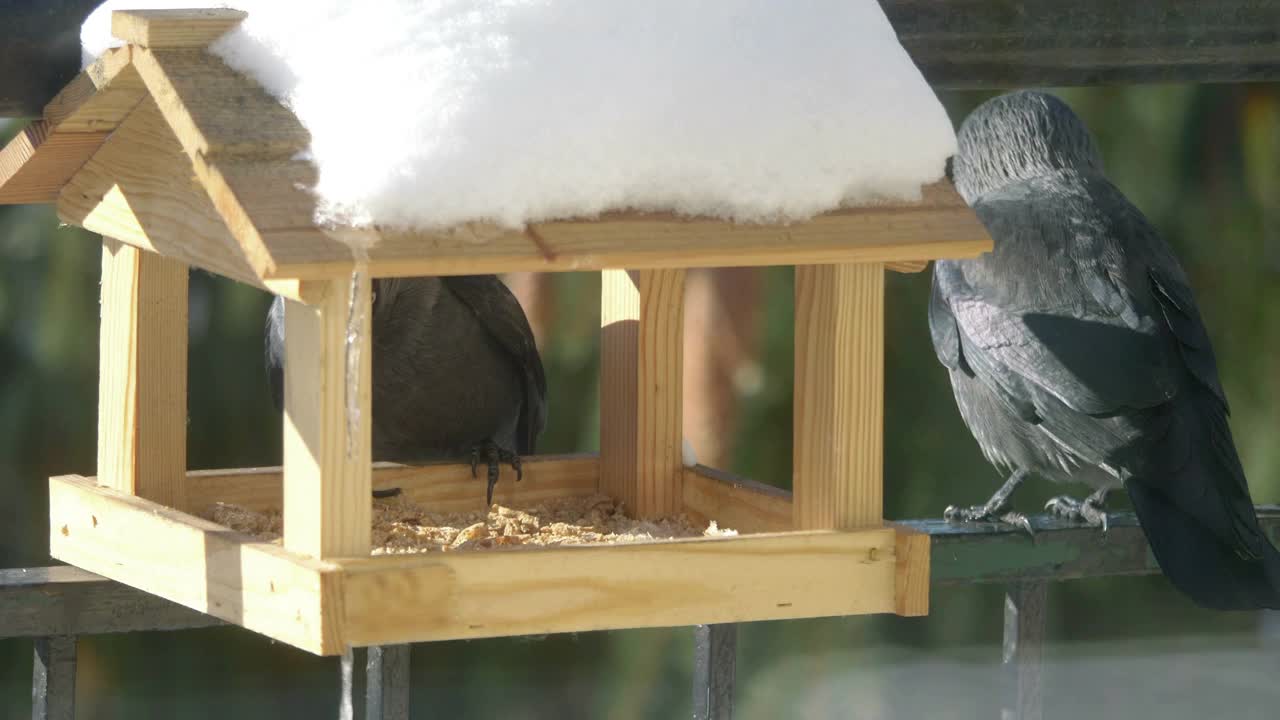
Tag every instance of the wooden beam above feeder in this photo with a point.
(955, 43)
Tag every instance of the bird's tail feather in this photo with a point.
(1209, 568)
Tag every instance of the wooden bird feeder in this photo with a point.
(180, 162)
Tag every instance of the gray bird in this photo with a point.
(455, 372)
(1076, 352)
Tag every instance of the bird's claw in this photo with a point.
(495, 455)
(1086, 511)
(1020, 521)
(984, 513)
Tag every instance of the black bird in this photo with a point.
(1076, 352)
(455, 372)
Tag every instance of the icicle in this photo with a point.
(346, 711)
(356, 311)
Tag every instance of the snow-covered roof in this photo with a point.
(429, 113)
(161, 145)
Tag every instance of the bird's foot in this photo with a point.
(988, 513)
(1088, 511)
(494, 456)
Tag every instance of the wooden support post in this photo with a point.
(837, 475)
(715, 662)
(911, 577)
(387, 686)
(53, 678)
(641, 365)
(327, 466)
(142, 381)
(1024, 631)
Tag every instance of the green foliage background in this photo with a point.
(1202, 162)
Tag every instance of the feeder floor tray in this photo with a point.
(325, 606)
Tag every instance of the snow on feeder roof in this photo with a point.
(772, 154)
(431, 114)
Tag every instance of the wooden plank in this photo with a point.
(715, 661)
(577, 589)
(36, 163)
(196, 28)
(1023, 657)
(327, 466)
(1039, 43)
(911, 597)
(619, 371)
(53, 678)
(735, 502)
(303, 291)
(214, 110)
(194, 562)
(907, 266)
(443, 487)
(387, 685)
(641, 370)
(265, 201)
(139, 188)
(939, 226)
(142, 374)
(65, 600)
(99, 98)
(838, 426)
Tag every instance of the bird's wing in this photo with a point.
(1177, 304)
(943, 330)
(1100, 352)
(500, 314)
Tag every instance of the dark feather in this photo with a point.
(498, 311)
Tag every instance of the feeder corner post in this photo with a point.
(142, 383)
(838, 427)
(641, 401)
(327, 454)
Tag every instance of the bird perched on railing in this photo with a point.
(1076, 352)
(455, 375)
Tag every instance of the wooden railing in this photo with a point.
(956, 43)
(56, 605)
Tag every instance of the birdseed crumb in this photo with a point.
(401, 526)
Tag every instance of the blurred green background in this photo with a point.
(1203, 162)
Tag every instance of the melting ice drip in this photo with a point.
(356, 310)
(346, 711)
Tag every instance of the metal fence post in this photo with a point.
(1024, 631)
(715, 660)
(387, 691)
(53, 678)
